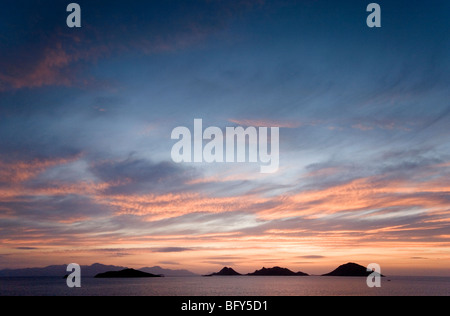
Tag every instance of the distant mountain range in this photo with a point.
(58, 271)
(168, 272)
(87, 271)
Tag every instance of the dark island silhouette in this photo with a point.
(276, 271)
(350, 269)
(110, 271)
(127, 273)
(224, 272)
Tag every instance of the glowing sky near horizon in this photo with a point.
(86, 116)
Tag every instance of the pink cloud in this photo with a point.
(47, 71)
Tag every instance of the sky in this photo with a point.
(86, 116)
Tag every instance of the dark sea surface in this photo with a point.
(228, 286)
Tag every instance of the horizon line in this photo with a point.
(225, 266)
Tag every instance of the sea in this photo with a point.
(228, 286)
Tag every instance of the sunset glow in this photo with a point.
(86, 174)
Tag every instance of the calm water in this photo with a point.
(228, 286)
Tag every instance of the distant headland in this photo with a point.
(88, 271)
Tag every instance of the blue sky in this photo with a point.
(86, 116)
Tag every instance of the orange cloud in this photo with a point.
(269, 223)
(363, 194)
(20, 171)
(157, 207)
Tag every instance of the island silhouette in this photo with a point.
(99, 270)
(277, 271)
(350, 269)
(224, 272)
(127, 273)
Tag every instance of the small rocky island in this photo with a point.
(224, 272)
(350, 269)
(276, 271)
(127, 273)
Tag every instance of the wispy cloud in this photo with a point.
(59, 55)
(266, 123)
(312, 257)
(172, 249)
